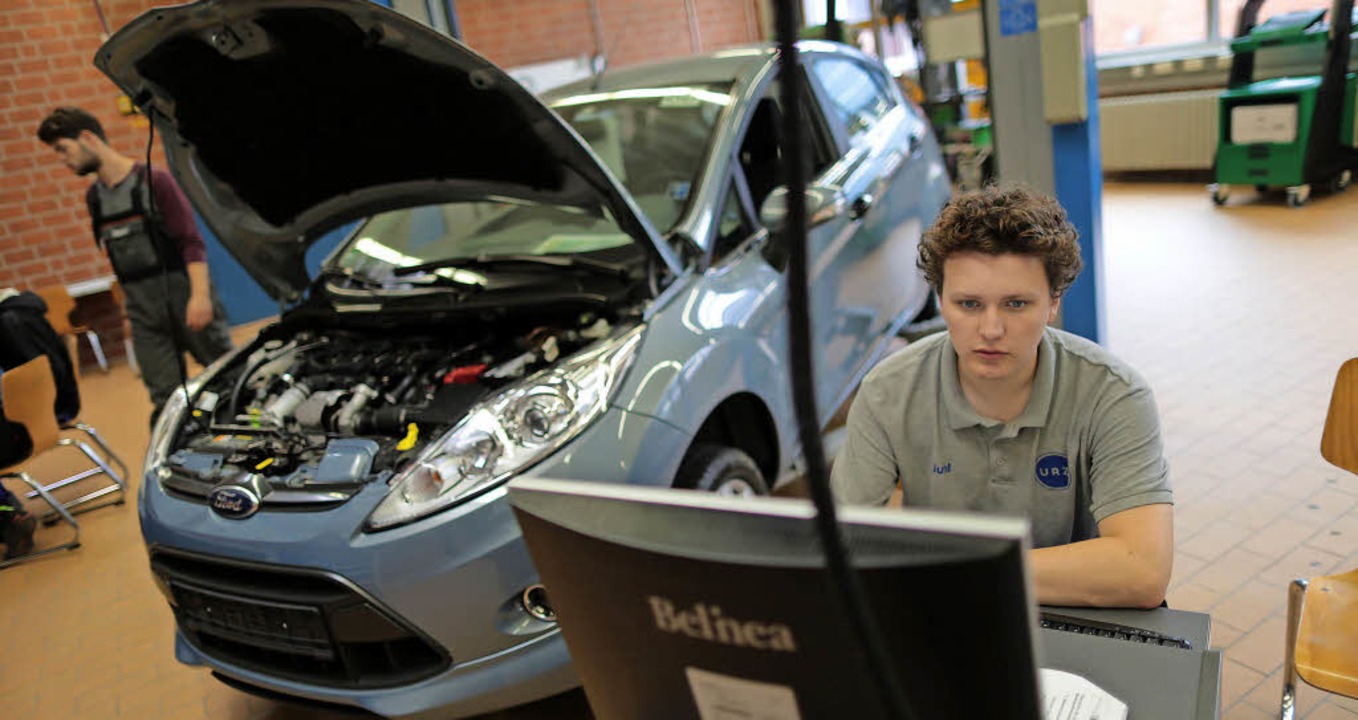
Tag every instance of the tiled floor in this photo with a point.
(1239, 317)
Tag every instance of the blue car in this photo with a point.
(587, 285)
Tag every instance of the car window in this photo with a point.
(502, 226)
(856, 96)
(654, 140)
(761, 148)
(733, 226)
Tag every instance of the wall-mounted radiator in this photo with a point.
(1164, 131)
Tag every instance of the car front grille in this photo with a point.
(298, 625)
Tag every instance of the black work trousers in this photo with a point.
(155, 306)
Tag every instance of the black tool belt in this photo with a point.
(133, 250)
(136, 245)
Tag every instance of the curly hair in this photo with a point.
(68, 123)
(998, 220)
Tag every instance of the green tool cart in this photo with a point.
(1291, 132)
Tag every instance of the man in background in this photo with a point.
(143, 222)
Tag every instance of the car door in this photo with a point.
(759, 156)
(866, 277)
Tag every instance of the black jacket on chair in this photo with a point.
(26, 334)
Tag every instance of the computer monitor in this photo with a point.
(678, 604)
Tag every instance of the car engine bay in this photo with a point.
(307, 417)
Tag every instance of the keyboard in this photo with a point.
(1085, 626)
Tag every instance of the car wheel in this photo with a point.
(722, 470)
(1298, 195)
(1220, 193)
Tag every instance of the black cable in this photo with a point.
(155, 232)
(842, 575)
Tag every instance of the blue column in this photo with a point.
(1079, 188)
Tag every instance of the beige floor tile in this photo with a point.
(1268, 696)
(1302, 562)
(1260, 649)
(1262, 511)
(1191, 596)
(1324, 507)
(1185, 567)
(1312, 476)
(1232, 570)
(1224, 634)
(1215, 540)
(1330, 711)
(1237, 681)
(1342, 481)
(1249, 605)
(1245, 711)
(1280, 537)
(1339, 537)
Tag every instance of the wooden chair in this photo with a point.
(29, 392)
(60, 305)
(1322, 613)
(100, 464)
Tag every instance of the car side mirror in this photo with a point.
(822, 205)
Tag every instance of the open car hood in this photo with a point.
(282, 119)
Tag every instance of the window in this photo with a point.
(655, 140)
(857, 97)
(1120, 25)
(732, 227)
(847, 11)
(1230, 11)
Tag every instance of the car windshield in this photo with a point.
(653, 140)
(488, 228)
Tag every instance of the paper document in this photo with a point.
(1066, 696)
(1273, 123)
(723, 697)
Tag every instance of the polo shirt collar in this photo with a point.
(958, 409)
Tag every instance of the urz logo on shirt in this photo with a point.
(943, 469)
(1053, 470)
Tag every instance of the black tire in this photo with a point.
(720, 469)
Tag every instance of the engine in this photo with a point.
(331, 410)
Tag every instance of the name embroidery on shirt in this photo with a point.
(1053, 471)
(943, 469)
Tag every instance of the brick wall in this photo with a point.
(45, 52)
(521, 32)
(46, 48)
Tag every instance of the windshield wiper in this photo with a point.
(568, 262)
(342, 273)
(338, 273)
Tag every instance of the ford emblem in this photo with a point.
(233, 501)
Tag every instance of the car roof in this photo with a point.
(729, 66)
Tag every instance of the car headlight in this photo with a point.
(171, 414)
(509, 432)
(162, 435)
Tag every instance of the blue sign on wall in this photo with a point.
(1017, 17)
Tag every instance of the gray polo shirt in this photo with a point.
(1086, 446)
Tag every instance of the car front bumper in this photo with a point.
(442, 593)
